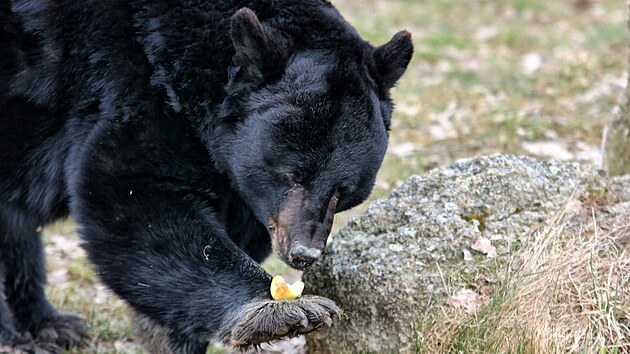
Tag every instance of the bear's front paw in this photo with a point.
(32, 349)
(12, 342)
(64, 330)
(268, 320)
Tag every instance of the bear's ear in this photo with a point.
(260, 50)
(393, 57)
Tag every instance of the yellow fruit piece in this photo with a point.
(281, 290)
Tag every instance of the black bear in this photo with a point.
(187, 139)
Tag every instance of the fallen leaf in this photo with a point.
(531, 63)
(102, 295)
(64, 247)
(465, 299)
(485, 33)
(573, 207)
(583, 4)
(403, 150)
(484, 246)
(485, 290)
(294, 345)
(126, 347)
(58, 276)
(467, 255)
(588, 153)
(554, 149)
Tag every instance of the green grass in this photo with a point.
(469, 57)
(466, 78)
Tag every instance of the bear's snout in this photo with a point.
(299, 243)
(303, 257)
(301, 228)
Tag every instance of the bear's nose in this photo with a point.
(302, 257)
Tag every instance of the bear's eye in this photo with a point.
(288, 178)
(346, 189)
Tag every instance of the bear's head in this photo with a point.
(303, 130)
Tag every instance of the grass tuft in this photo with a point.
(567, 290)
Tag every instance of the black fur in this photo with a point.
(185, 138)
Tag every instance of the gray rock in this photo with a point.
(621, 186)
(387, 267)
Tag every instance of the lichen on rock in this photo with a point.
(387, 267)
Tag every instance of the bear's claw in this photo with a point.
(32, 349)
(269, 320)
(63, 330)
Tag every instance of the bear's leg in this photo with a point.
(170, 259)
(25, 277)
(190, 285)
(9, 336)
(157, 340)
(147, 201)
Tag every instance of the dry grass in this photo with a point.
(567, 290)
